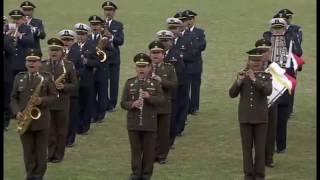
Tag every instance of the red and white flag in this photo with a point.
(296, 60)
(281, 77)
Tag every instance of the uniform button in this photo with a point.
(251, 92)
(251, 99)
(251, 105)
(16, 54)
(251, 87)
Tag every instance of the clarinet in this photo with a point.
(140, 99)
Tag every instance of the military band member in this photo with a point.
(285, 102)
(67, 36)
(83, 55)
(100, 97)
(179, 109)
(141, 97)
(36, 24)
(23, 40)
(114, 32)
(197, 62)
(65, 78)
(253, 85)
(35, 139)
(182, 41)
(265, 45)
(165, 74)
(292, 27)
(8, 53)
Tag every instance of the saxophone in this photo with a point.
(62, 77)
(30, 112)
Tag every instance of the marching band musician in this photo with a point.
(254, 87)
(64, 74)
(23, 40)
(35, 139)
(141, 97)
(8, 53)
(165, 74)
(279, 34)
(188, 44)
(83, 55)
(195, 82)
(67, 36)
(36, 24)
(179, 99)
(114, 32)
(101, 89)
(265, 45)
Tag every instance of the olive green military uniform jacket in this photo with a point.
(70, 84)
(253, 104)
(149, 112)
(169, 81)
(23, 88)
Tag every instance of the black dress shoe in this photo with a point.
(70, 145)
(281, 151)
(162, 161)
(179, 134)
(270, 165)
(56, 160)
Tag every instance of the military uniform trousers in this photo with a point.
(7, 109)
(181, 106)
(271, 133)
(73, 120)
(85, 107)
(58, 132)
(114, 72)
(253, 135)
(100, 98)
(284, 110)
(35, 144)
(163, 136)
(142, 144)
(194, 83)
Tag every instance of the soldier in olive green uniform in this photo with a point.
(253, 85)
(265, 45)
(59, 67)
(35, 139)
(141, 97)
(166, 75)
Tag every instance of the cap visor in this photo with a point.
(33, 58)
(54, 46)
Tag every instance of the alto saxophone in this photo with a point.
(62, 77)
(30, 112)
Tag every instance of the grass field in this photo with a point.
(210, 148)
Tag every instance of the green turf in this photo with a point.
(210, 148)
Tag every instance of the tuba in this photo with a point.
(279, 50)
(30, 112)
